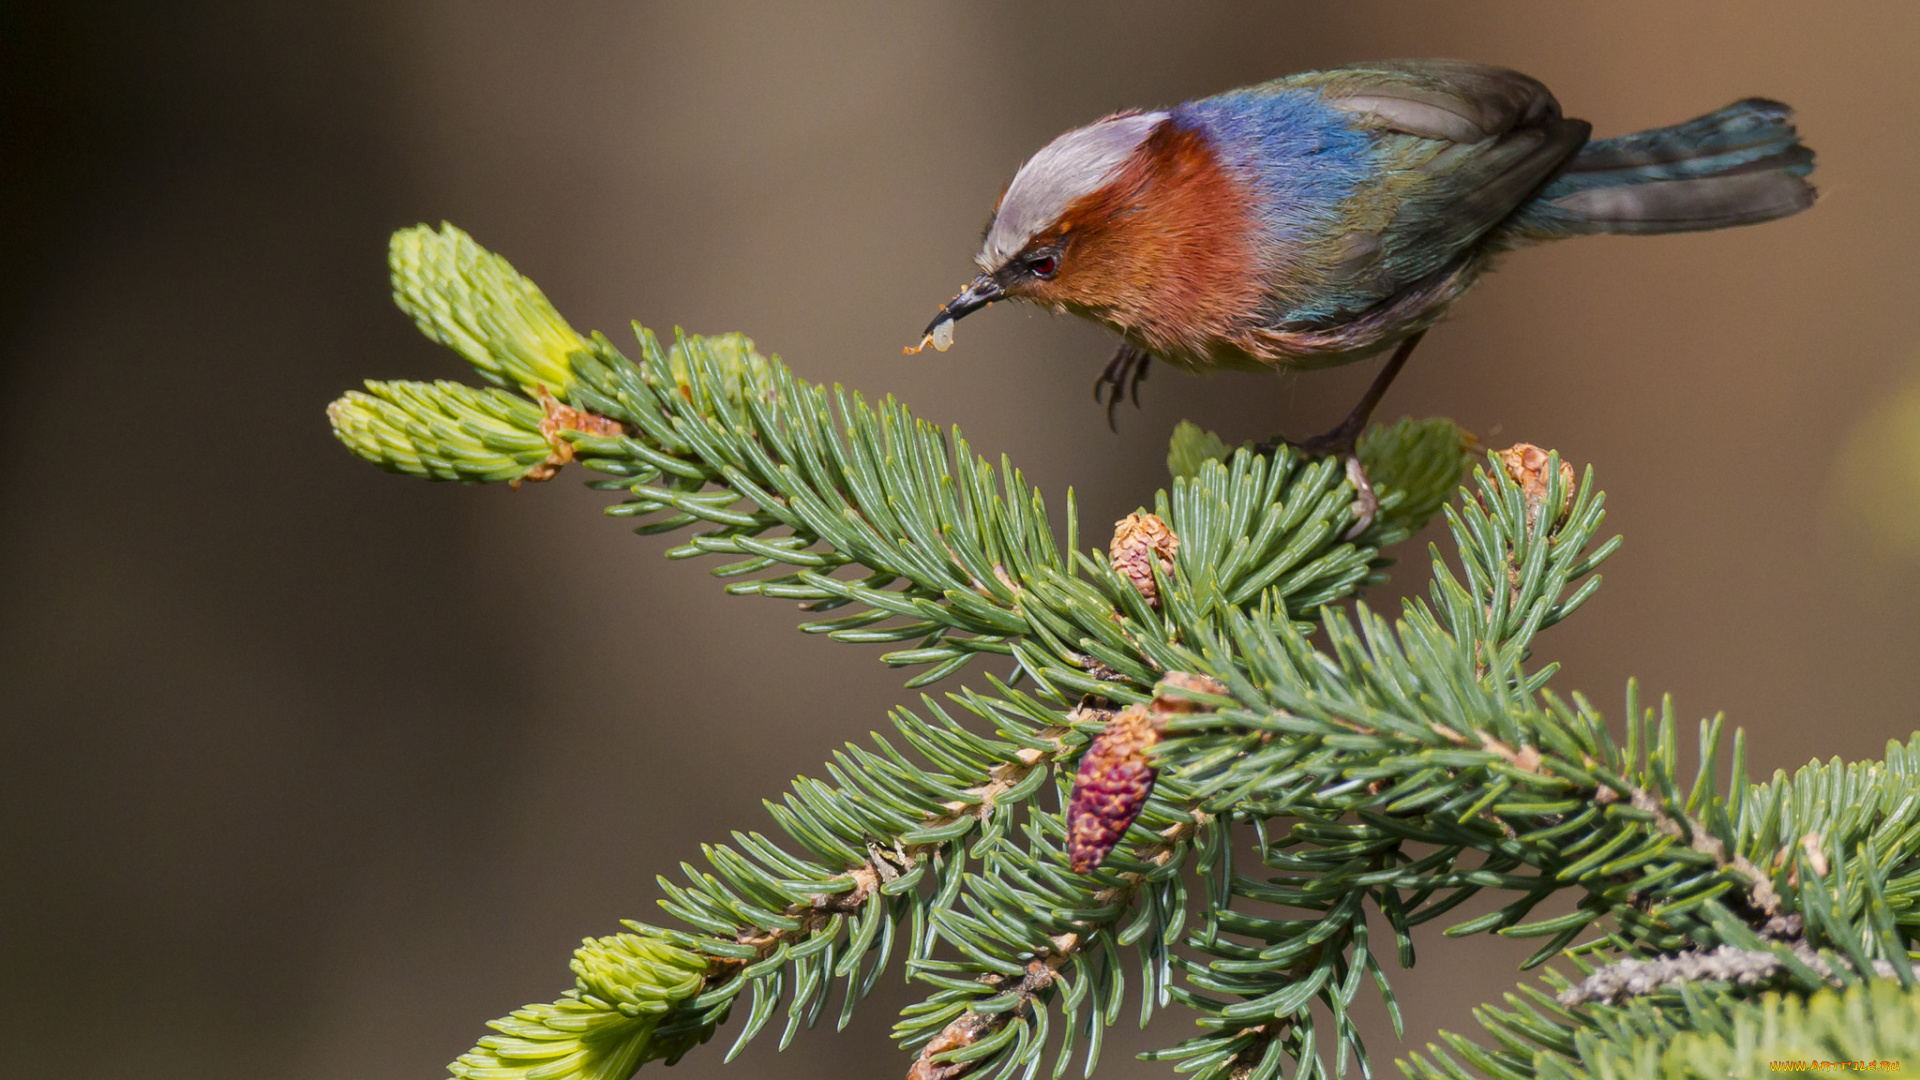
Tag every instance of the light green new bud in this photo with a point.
(637, 975)
(730, 360)
(476, 304)
(441, 430)
(600, 1030)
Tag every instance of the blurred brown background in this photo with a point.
(309, 770)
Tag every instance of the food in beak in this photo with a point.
(940, 337)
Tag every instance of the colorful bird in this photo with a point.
(1330, 216)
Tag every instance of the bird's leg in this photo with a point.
(1341, 440)
(1124, 374)
(1344, 435)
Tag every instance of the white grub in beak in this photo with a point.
(940, 337)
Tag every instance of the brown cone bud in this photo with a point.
(1527, 464)
(1165, 705)
(1139, 540)
(963, 1032)
(559, 418)
(1113, 784)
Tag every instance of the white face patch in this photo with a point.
(1073, 165)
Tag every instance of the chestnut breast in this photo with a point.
(1165, 253)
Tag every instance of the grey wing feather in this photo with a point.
(1461, 193)
(1451, 100)
(1462, 146)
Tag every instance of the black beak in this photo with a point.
(979, 292)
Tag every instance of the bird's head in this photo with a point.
(1037, 242)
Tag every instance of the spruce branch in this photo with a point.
(1406, 734)
(882, 852)
(1691, 1028)
(1031, 930)
(710, 431)
(1193, 677)
(803, 482)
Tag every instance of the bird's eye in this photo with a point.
(1044, 266)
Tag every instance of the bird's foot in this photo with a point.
(1338, 443)
(1124, 374)
(1365, 502)
(1345, 437)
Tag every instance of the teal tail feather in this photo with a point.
(1738, 166)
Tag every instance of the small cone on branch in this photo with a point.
(1527, 464)
(1117, 774)
(1139, 541)
(1114, 781)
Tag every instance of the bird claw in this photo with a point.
(1344, 439)
(1365, 502)
(1122, 378)
(1340, 443)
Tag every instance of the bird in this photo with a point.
(1331, 216)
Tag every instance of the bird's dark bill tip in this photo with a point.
(980, 292)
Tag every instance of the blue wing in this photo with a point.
(1378, 177)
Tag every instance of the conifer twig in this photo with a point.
(1387, 770)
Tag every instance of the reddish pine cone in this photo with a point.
(1138, 541)
(1113, 784)
(1116, 775)
(1527, 464)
